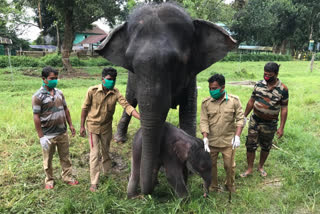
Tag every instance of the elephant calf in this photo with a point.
(178, 152)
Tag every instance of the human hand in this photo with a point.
(235, 142)
(280, 132)
(73, 131)
(206, 144)
(44, 141)
(245, 121)
(82, 131)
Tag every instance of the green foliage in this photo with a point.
(278, 23)
(53, 60)
(237, 57)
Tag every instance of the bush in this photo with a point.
(53, 60)
(19, 61)
(232, 56)
(96, 62)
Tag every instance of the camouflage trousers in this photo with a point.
(260, 132)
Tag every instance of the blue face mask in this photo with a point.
(216, 94)
(109, 84)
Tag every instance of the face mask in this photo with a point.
(269, 79)
(51, 83)
(216, 94)
(109, 84)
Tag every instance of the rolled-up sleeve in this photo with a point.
(239, 113)
(36, 105)
(204, 122)
(87, 101)
(124, 103)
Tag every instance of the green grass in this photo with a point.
(292, 185)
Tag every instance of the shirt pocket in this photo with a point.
(229, 115)
(213, 117)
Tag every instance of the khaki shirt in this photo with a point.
(219, 118)
(101, 106)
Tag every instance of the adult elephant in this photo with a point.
(164, 50)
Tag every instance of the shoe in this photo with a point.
(49, 186)
(73, 183)
(93, 188)
(244, 175)
(262, 172)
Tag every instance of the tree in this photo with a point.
(75, 15)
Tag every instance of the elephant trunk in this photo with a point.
(151, 126)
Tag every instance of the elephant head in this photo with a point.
(191, 151)
(165, 49)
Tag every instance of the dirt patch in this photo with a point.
(273, 183)
(248, 83)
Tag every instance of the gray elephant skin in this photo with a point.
(163, 49)
(179, 152)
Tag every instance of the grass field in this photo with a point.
(292, 184)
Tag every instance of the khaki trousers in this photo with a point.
(62, 143)
(99, 142)
(229, 165)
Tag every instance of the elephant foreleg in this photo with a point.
(188, 110)
(174, 173)
(122, 128)
(135, 171)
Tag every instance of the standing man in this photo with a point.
(50, 114)
(98, 109)
(221, 123)
(269, 97)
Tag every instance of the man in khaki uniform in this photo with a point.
(98, 109)
(221, 124)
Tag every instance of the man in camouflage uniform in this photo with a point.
(221, 123)
(98, 109)
(50, 114)
(269, 97)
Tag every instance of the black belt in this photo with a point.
(258, 119)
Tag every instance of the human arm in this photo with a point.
(84, 114)
(44, 141)
(240, 123)
(37, 124)
(204, 127)
(249, 107)
(69, 121)
(283, 119)
(135, 114)
(127, 107)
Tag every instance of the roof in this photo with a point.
(93, 39)
(255, 48)
(5, 41)
(94, 30)
(43, 47)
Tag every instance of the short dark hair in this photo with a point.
(109, 71)
(47, 70)
(272, 67)
(219, 78)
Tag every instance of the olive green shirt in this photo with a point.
(219, 118)
(101, 106)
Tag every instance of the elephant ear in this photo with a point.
(182, 149)
(211, 44)
(114, 47)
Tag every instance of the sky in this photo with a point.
(31, 33)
